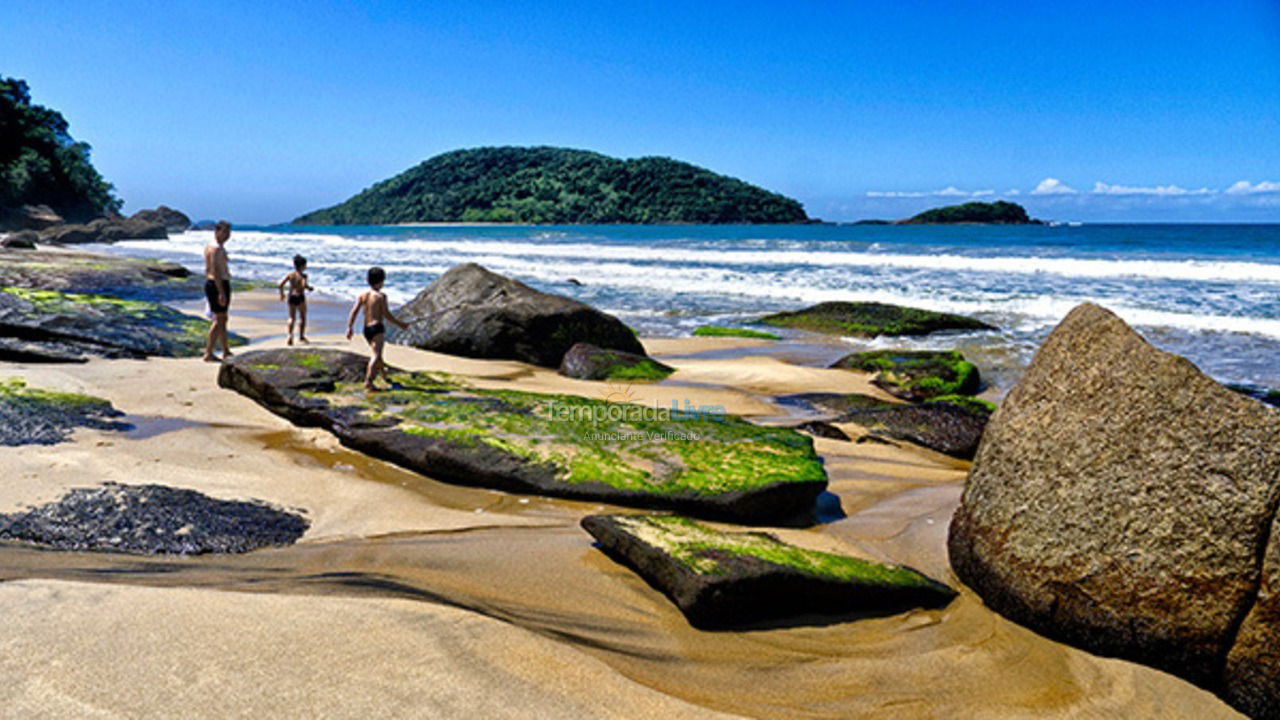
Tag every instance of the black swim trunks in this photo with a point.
(211, 294)
(374, 330)
(297, 299)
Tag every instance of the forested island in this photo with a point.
(999, 212)
(550, 185)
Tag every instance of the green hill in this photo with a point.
(996, 213)
(41, 164)
(551, 185)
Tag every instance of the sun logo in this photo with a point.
(617, 393)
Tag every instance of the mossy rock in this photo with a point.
(92, 273)
(730, 579)
(585, 361)
(835, 403)
(950, 425)
(1268, 396)
(973, 405)
(704, 463)
(869, 319)
(717, 331)
(55, 326)
(916, 374)
(31, 416)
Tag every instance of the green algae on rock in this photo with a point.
(950, 426)
(33, 416)
(729, 579)
(697, 460)
(718, 331)
(916, 374)
(56, 326)
(585, 361)
(870, 319)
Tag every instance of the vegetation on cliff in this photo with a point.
(552, 185)
(41, 164)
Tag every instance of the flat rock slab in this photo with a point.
(55, 326)
(1124, 502)
(952, 428)
(79, 272)
(724, 580)
(152, 519)
(558, 445)
(29, 416)
(869, 319)
(916, 375)
(585, 361)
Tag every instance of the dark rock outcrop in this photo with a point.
(172, 220)
(869, 319)
(53, 326)
(80, 272)
(916, 375)
(818, 428)
(30, 416)
(558, 445)
(152, 519)
(725, 580)
(473, 312)
(585, 361)
(1124, 502)
(951, 428)
(104, 230)
(29, 217)
(21, 240)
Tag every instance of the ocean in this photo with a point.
(1207, 292)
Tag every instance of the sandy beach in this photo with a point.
(411, 597)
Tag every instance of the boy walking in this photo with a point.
(376, 312)
(298, 287)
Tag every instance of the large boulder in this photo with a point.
(21, 240)
(473, 312)
(29, 217)
(729, 579)
(172, 220)
(585, 361)
(712, 465)
(870, 319)
(1122, 501)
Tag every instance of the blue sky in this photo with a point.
(261, 111)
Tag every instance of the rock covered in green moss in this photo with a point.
(54, 326)
(916, 374)
(32, 416)
(717, 331)
(729, 579)
(585, 361)
(1268, 396)
(473, 312)
(152, 519)
(692, 459)
(97, 274)
(870, 319)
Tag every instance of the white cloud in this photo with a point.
(1053, 186)
(1102, 188)
(1244, 187)
(949, 191)
(1012, 191)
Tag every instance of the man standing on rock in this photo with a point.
(217, 289)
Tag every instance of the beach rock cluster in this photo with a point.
(1126, 503)
(29, 217)
(916, 375)
(152, 519)
(704, 464)
(32, 416)
(55, 326)
(730, 579)
(172, 220)
(952, 425)
(870, 319)
(585, 361)
(80, 272)
(104, 230)
(473, 312)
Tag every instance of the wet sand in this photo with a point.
(410, 597)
